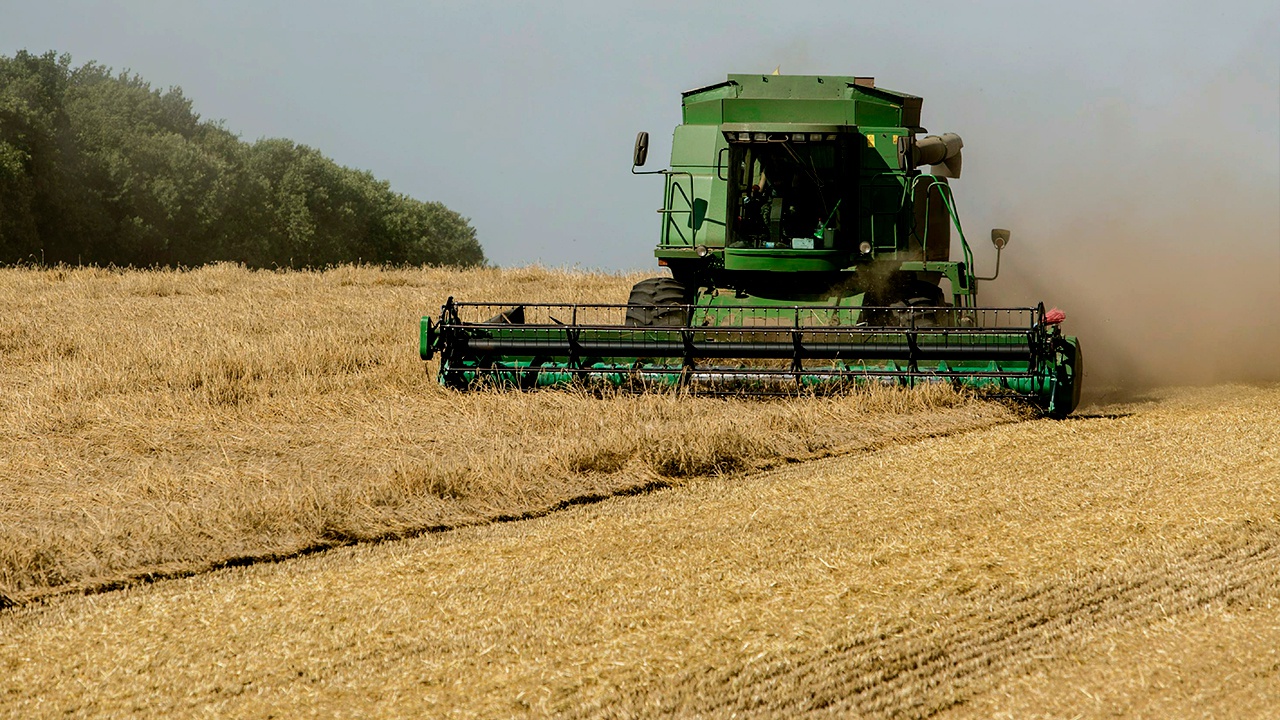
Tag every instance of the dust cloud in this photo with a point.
(1187, 297)
(1159, 235)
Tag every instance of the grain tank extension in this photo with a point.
(812, 240)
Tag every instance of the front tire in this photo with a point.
(916, 312)
(658, 302)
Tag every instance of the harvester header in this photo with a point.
(806, 248)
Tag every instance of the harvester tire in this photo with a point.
(916, 311)
(658, 302)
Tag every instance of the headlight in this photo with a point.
(701, 250)
(865, 248)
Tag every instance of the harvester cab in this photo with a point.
(806, 248)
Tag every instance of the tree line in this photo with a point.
(101, 168)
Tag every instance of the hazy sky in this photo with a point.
(521, 116)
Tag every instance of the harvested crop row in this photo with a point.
(161, 423)
(977, 575)
(992, 635)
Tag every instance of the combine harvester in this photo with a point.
(806, 251)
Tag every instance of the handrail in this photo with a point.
(668, 202)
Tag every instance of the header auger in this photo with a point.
(806, 250)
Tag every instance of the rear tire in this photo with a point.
(656, 302)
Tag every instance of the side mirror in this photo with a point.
(642, 150)
(999, 238)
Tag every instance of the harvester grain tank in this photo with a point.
(806, 248)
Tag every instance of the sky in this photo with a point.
(1132, 148)
(521, 116)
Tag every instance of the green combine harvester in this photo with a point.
(806, 250)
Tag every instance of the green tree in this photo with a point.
(101, 167)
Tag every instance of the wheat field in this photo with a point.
(1121, 563)
(159, 423)
(888, 553)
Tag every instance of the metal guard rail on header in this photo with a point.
(1009, 350)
